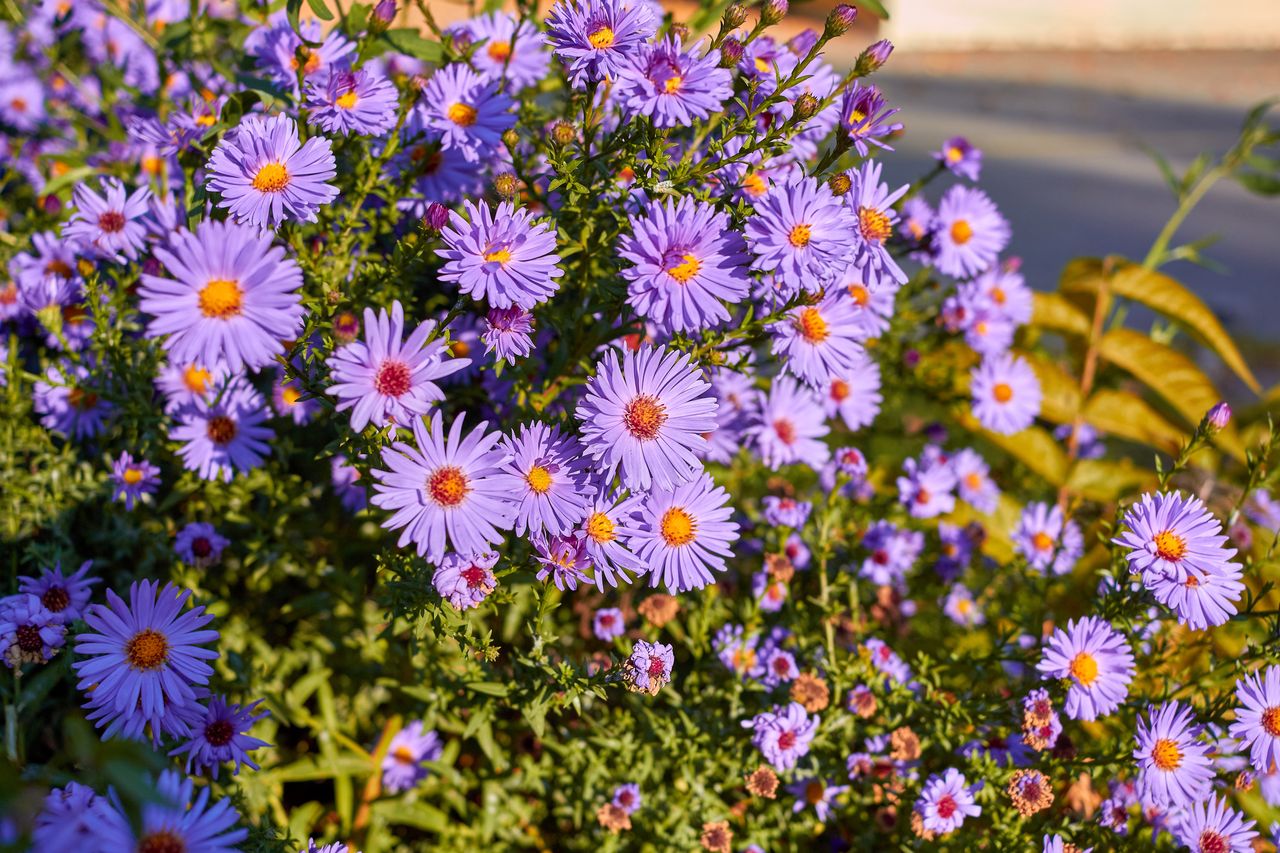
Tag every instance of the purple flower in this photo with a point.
(200, 544)
(402, 769)
(606, 532)
(140, 657)
(1001, 290)
(769, 592)
(466, 581)
(820, 342)
(646, 415)
(1098, 662)
(111, 224)
(266, 176)
(961, 158)
(800, 233)
(289, 400)
(220, 734)
(22, 99)
(854, 394)
(594, 38)
(64, 597)
(29, 633)
(1006, 394)
(737, 651)
(1042, 536)
(816, 794)
(1209, 826)
(973, 481)
(969, 232)
(508, 333)
(946, 801)
(282, 49)
(513, 49)
(179, 820)
(927, 489)
(362, 102)
(608, 624)
(777, 665)
(864, 116)
(1218, 416)
(386, 379)
(445, 491)
(66, 405)
(233, 297)
(684, 533)
(545, 479)
(960, 607)
(687, 261)
(1174, 768)
(464, 112)
(1257, 722)
(872, 201)
(790, 427)
(673, 88)
(347, 484)
(564, 559)
(786, 512)
(893, 551)
(1173, 536)
(886, 660)
(132, 479)
(627, 797)
(502, 257)
(648, 668)
(226, 435)
(72, 819)
(783, 735)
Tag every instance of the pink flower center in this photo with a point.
(393, 378)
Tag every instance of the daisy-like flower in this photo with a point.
(289, 401)
(72, 819)
(646, 415)
(464, 111)
(783, 735)
(800, 233)
(1212, 827)
(180, 819)
(466, 581)
(361, 102)
(892, 552)
(411, 747)
(820, 342)
(1006, 394)
(184, 383)
(138, 658)
(1042, 537)
(854, 394)
(29, 633)
(670, 86)
(648, 668)
(513, 49)
(1257, 722)
(1173, 536)
(225, 435)
(685, 533)
(627, 797)
(969, 232)
(606, 532)
(111, 223)
(687, 261)
(927, 488)
(200, 544)
(267, 176)
(1200, 600)
(785, 511)
(64, 597)
(816, 794)
(233, 297)
(973, 481)
(1004, 291)
(1097, 660)
(564, 559)
(1174, 768)
(503, 257)
(508, 333)
(946, 801)
(446, 491)
(866, 119)
(66, 404)
(960, 158)
(960, 607)
(545, 478)
(872, 202)
(220, 735)
(608, 624)
(594, 38)
(386, 379)
(131, 479)
(790, 426)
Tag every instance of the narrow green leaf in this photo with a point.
(320, 10)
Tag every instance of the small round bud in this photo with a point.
(680, 31)
(462, 39)
(874, 56)
(735, 16)
(510, 138)
(383, 15)
(562, 133)
(506, 184)
(152, 266)
(806, 107)
(437, 216)
(773, 11)
(731, 53)
(1218, 417)
(839, 184)
(52, 205)
(840, 20)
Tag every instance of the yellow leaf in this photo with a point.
(1105, 480)
(1060, 393)
(1034, 447)
(1055, 311)
(1128, 416)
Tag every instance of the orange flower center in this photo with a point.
(643, 417)
(1271, 721)
(961, 232)
(874, 225)
(196, 379)
(148, 649)
(132, 476)
(839, 390)
(163, 841)
(447, 486)
(1166, 755)
(1170, 546)
(677, 527)
(271, 178)
(221, 298)
(499, 51)
(1043, 541)
(754, 185)
(600, 528)
(811, 326)
(860, 294)
(800, 236)
(463, 115)
(1003, 392)
(1084, 667)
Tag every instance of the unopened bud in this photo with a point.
(735, 16)
(840, 20)
(806, 107)
(506, 184)
(510, 138)
(436, 217)
(462, 39)
(383, 15)
(839, 184)
(563, 133)
(773, 11)
(680, 31)
(873, 57)
(731, 53)
(51, 204)
(1218, 417)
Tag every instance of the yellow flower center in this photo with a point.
(811, 326)
(961, 232)
(1003, 392)
(498, 256)
(347, 100)
(463, 115)
(499, 51)
(754, 185)
(271, 178)
(954, 154)
(800, 236)
(860, 294)
(1170, 546)
(688, 267)
(673, 84)
(459, 349)
(221, 298)
(152, 165)
(196, 379)
(874, 225)
(600, 528)
(447, 486)
(539, 479)
(677, 527)
(205, 120)
(856, 117)
(147, 649)
(762, 66)
(1084, 667)
(1165, 754)
(1043, 541)
(290, 395)
(132, 476)
(601, 38)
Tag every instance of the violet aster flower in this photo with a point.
(606, 532)
(854, 394)
(138, 657)
(347, 484)
(819, 342)
(362, 102)
(973, 481)
(646, 415)
(564, 559)
(1211, 827)
(29, 633)
(411, 747)
(687, 261)
(673, 88)
(513, 49)
(65, 403)
(1006, 394)
(816, 794)
(200, 544)
(960, 607)
(946, 801)
(466, 581)
(1173, 536)
(22, 101)
(266, 176)
(503, 257)
(180, 819)
(969, 232)
(132, 479)
(445, 491)
(1004, 291)
(545, 479)
(800, 233)
(335, 847)
(892, 552)
(1042, 536)
(595, 37)
(790, 426)
(1257, 722)
(685, 533)
(1201, 599)
(648, 668)
(72, 819)
(960, 158)
(872, 202)
(608, 624)
(225, 435)
(508, 333)
(386, 379)
(182, 383)
(233, 297)
(285, 54)
(785, 512)
(783, 735)
(927, 488)
(737, 650)
(627, 797)
(886, 660)
(220, 735)
(464, 112)
(1174, 768)
(866, 119)
(778, 666)
(64, 597)
(111, 223)
(1096, 659)
(289, 401)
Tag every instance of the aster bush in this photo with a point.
(553, 431)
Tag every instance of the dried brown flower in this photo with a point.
(1030, 791)
(763, 782)
(613, 818)
(862, 702)
(811, 692)
(904, 745)
(659, 609)
(717, 837)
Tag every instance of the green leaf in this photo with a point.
(407, 40)
(314, 768)
(875, 7)
(1258, 183)
(489, 688)
(416, 814)
(1054, 311)
(320, 10)
(1127, 415)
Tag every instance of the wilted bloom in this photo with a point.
(1096, 659)
(946, 801)
(1006, 394)
(503, 257)
(594, 38)
(763, 783)
(464, 111)
(111, 223)
(960, 158)
(1174, 768)
(200, 544)
(1030, 791)
(362, 102)
(132, 479)
(717, 837)
(220, 735)
(266, 176)
(969, 232)
(29, 633)
(410, 749)
(64, 597)
(648, 668)
(613, 818)
(684, 534)
(466, 581)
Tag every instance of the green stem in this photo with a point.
(1160, 247)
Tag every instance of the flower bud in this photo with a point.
(840, 20)
(437, 216)
(563, 133)
(51, 204)
(805, 108)
(462, 39)
(773, 11)
(873, 57)
(735, 16)
(383, 15)
(839, 184)
(510, 138)
(1218, 417)
(731, 53)
(506, 185)
(680, 31)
